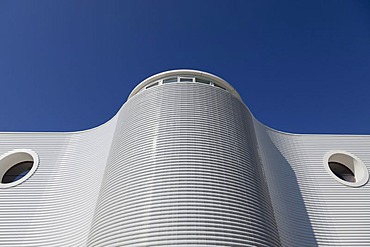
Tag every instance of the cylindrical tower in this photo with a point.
(184, 169)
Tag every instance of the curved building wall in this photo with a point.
(55, 206)
(311, 207)
(183, 171)
(186, 164)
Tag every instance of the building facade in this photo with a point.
(184, 163)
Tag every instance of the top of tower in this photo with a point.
(184, 75)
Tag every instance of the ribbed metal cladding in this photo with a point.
(184, 164)
(56, 205)
(310, 206)
(183, 170)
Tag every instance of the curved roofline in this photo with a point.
(184, 72)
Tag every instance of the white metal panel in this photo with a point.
(55, 206)
(183, 171)
(184, 164)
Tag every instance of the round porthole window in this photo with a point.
(17, 166)
(346, 168)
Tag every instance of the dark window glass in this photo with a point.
(152, 85)
(169, 80)
(17, 172)
(342, 171)
(216, 85)
(202, 81)
(186, 79)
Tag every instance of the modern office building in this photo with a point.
(184, 163)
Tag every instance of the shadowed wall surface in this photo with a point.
(184, 163)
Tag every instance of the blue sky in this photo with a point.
(300, 66)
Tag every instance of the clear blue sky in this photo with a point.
(300, 66)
